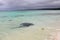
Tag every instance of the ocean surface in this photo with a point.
(11, 20)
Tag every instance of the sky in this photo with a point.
(28, 4)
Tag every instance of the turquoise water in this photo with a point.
(39, 18)
(40, 14)
(26, 13)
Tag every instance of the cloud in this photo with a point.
(28, 4)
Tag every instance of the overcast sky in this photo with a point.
(28, 4)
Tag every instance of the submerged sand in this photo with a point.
(44, 27)
(40, 30)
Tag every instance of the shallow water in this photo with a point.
(9, 21)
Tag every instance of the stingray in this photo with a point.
(23, 25)
(26, 24)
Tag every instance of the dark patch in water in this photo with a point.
(22, 25)
(26, 24)
(19, 15)
(42, 29)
